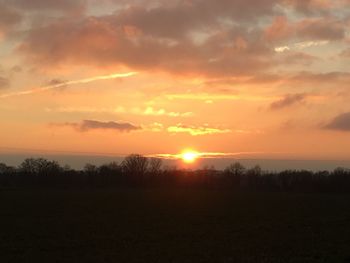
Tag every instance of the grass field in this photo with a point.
(172, 226)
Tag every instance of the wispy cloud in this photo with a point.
(301, 45)
(4, 83)
(213, 97)
(149, 111)
(87, 125)
(195, 131)
(205, 155)
(68, 83)
(154, 127)
(287, 101)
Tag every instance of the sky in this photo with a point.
(257, 79)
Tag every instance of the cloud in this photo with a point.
(340, 123)
(321, 29)
(311, 6)
(301, 45)
(55, 84)
(4, 83)
(87, 125)
(345, 53)
(53, 5)
(279, 29)
(195, 131)
(211, 97)
(312, 30)
(9, 18)
(318, 7)
(149, 111)
(312, 78)
(154, 127)
(205, 155)
(287, 101)
(186, 16)
(16, 69)
(299, 58)
(102, 41)
(200, 37)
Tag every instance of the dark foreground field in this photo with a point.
(172, 226)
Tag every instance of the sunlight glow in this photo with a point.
(189, 156)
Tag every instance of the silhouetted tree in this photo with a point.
(340, 171)
(256, 171)
(90, 169)
(112, 168)
(139, 170)
(155, 165)
(252, 178)
(29, 166)
(110, 173)
(6, 170)
(234, 173)
(135, 165)
(67, 168)
(235, 169)
(40, 167)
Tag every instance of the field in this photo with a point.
(157, 225)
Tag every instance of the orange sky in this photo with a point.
(263, 78)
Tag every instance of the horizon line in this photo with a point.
(202, 155)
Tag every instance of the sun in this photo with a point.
(189, 156)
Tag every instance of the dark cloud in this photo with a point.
(311, 78)
(198, 37)
(340, 123)
(4, 83)
(324, 29)
(308, 29)
(345, 53)
(87, 125)
(297, 58)
(40, 5)
(287, 101)
(9, 17)
(102, 43)
(16, 69)
(54, 82)
(310, 6)
(186, 16)
(162, 37)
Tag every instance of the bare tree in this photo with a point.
(255, 171)
(112, 168)
(4, 169)
(235, 169)
(40, 166)
(155, 165)
(90, 169)
(135, 165)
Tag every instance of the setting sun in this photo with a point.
(189, 156)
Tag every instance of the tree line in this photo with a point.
(139, 171)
